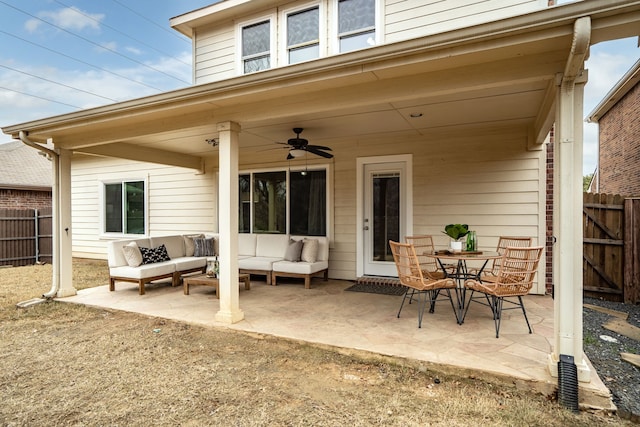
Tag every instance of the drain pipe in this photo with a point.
(569, 344)
(55, 189)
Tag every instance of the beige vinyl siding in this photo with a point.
(179, 200)
(408, 19)
(214, 57)
(216, 51)
(484, 177)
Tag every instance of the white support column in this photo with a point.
(567, 252)
(65, 262)
(228, 222)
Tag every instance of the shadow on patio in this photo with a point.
(327, 314)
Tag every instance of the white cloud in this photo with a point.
(70, 18)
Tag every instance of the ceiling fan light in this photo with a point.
(296, 152)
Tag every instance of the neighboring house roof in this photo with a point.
(23, 168)
(624, 85)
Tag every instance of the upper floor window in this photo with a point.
(124, 207)
(256, 47)
(303, 35)
(356, 24)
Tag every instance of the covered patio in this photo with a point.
(470, 110)
(356, 322)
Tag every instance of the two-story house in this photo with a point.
(422, 114)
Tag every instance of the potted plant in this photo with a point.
(456, 232)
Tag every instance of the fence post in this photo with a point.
(631, 250)
(37, 235)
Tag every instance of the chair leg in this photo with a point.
(496, 306)
(466, 309)
(406, 294)
(525, 314)
(422, 304)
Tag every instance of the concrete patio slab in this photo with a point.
(328, 315)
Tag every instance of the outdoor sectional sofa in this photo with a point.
(179, 262)
(270, 255)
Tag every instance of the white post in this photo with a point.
(228, 222)
(567, 252)
(65, 265)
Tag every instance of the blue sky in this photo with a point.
(59, 56)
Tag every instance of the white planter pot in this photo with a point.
(456, 246)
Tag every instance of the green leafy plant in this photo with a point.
(456, 231)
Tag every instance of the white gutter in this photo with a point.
(55, 189)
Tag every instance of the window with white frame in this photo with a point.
(256, 46)
(356, 24)
(303, 35)
(283, 202)
(124, 207)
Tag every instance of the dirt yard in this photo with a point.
(69, 365)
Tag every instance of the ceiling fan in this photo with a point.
(300, 145)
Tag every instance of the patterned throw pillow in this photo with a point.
(151, 255)
(132, 254)
(310, 250)
(204, 247)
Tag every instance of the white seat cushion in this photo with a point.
(144, 271)
(299, 267)
(188, 263)
(257, 263)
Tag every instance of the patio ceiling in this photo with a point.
(488, 75)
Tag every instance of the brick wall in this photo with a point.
(619, 163)
(24, 199)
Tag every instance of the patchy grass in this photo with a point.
(64, 364)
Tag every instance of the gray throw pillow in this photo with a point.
(294, 250)
(204, 247)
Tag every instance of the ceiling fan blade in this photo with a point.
(318, 147)
(319, 153)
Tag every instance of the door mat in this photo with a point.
(378, 285)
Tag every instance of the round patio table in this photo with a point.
(461, 272)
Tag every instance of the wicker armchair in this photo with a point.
(513, 280)
(491, 272)
(418, 285)
(424, 244)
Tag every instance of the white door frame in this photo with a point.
(361, 162)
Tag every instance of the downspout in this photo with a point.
(568, 342)
(55, 189)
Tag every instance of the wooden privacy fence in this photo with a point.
(25, 236)
(611, 268)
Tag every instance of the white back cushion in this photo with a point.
(247, 244)
(115, 255)
(271, 245)
(174, 244)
